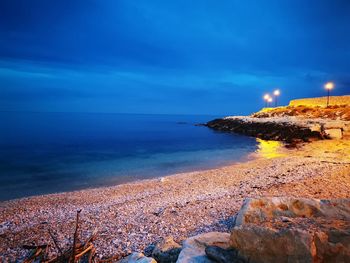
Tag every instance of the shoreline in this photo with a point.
(247, 157)
(131, 216)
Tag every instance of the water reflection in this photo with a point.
(269, 149)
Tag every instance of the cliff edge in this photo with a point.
(292, 123)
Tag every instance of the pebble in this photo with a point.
(135, 215)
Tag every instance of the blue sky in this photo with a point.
(182, 57)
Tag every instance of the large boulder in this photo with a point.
(193, 250)
(334, 133)
(293, 230)
(166, 251)
(263, 209)
(137, 258)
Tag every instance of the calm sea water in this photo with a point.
(44, 153)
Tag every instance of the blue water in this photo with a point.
(44, 153)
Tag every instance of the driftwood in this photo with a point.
(78, 253)
(75, 239)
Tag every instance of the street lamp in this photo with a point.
(266, 99)
(328, 86)
(276, 93)
(269, 100)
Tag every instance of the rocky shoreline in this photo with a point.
(289, 129)
(133, 216)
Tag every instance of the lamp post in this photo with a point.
(276, 93)
(266, 99)
(269, 100)
(328, 86)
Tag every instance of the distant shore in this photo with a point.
(131, 216)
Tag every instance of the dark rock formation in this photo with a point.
(221, 255)
(267, 130)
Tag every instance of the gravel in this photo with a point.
(132, 216)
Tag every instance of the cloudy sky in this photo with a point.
(156, 56)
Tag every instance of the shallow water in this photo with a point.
(44, 153)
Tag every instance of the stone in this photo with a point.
(334, 133)
(137, 258)
(290, 229)
(221, 255)
(193, 250)
(265, 244)
(262, 209)
(166, 251)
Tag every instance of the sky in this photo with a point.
(169, 57)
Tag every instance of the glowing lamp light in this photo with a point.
(277, 92)
(269, 100)
(266, 98)
(329, 86)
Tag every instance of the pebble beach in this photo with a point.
(132, 216)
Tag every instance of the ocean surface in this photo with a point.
(44, 153)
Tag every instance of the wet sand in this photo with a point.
(131, 216)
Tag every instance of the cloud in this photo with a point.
(169, 56)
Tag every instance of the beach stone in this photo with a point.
(286, 229)
(334, 133)
(193, 250)
(137, 258)
(265, 244)
(166, 251)
(221, 255)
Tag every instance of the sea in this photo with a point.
(42, 153)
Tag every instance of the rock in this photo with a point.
(162, 179)
(265, 244)
(293, 230)
(221, 255)
(159, 211)
(166, 251)
(149, 250)
(137, 258)
(193, 250)
(263, 209)
(334, 133)
(269, 128)
(286, 124)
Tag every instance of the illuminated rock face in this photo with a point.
(334, 133)
(293, 230)
(322, 101)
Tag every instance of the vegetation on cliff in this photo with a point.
(335, 112)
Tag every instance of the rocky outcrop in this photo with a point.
(267, 129)
(321, 101)
(287, 129)
(193, 250)
(334, 112)
(293, 230)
